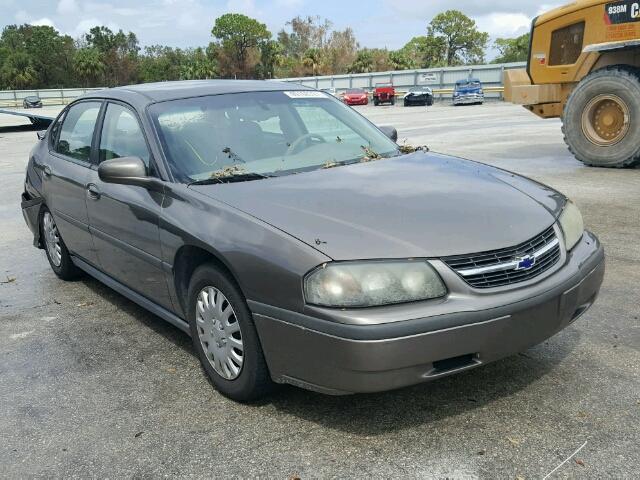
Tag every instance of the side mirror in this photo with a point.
(127, 171)
(390, 132)
(41, 134)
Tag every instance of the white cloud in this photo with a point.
(66, 7)
(504, 24)
(43, 22)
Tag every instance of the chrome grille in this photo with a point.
(500, 267)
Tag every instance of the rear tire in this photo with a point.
(57, 253)
(248, 378)
(601, 120)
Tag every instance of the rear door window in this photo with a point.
(77, 130)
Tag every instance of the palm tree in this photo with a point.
(313, 59)
(88, 64)
(18, 71)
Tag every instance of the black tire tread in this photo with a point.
(623, 71)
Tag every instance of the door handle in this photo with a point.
(92, 192)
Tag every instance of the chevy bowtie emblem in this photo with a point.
(525, 263)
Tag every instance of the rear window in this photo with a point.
(77, 130)
(468, 84)
(566, 45)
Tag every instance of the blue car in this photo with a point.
(468, 92)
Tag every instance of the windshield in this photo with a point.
(355, 91)
(263, 134)
(468, 84)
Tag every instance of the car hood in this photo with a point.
(417, 205)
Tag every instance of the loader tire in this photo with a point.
(601, 120)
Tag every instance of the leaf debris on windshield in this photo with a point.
(406, 148)
(228, 171)
(330, 164)
(370, 154)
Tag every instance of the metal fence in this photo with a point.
(49, 96)
(441, 80)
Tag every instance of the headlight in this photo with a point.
(572, 225)
(375, 283)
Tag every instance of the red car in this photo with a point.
(355, 96)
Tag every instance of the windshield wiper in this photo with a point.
(234, 178)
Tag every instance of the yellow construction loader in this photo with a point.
(583, 67)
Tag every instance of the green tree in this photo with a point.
(240, 38)
(371, 60)
(159, 63)
(463, 42)
(118, 51)
(18, 72)
(49, 53)
(313, 60)
(271, 59)
(197, 65)
(401, 61)
(363, 62)
(425, 51)
(88, 65)
(512, 49)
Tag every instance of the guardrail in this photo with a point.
(440, 80)
(49, 96)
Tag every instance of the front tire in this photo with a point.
(57, 253)
(601, 120)
(225, 337)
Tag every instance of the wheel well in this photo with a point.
(187, 259)
(41, 211)
(627, 57)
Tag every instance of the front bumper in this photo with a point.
(338, 359)
(417, 100)
(467, 99)
(363, 101)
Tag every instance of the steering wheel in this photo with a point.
(306, 137)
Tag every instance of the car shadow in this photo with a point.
(20, 128)
(379, 413)
(148, 319)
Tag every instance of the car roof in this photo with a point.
(147, 93)
(468, 80)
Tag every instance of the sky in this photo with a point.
(187, 23)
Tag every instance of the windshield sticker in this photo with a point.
(305, 94)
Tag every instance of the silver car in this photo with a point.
(296, 243)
